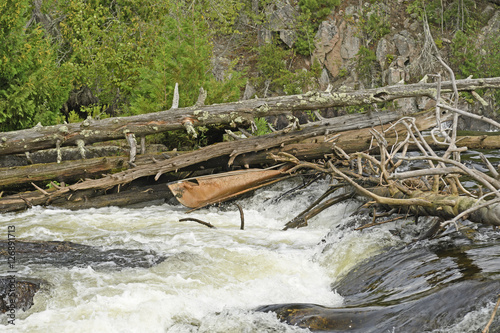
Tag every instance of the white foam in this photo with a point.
(211, 278)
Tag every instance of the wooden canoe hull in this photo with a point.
(201, 191)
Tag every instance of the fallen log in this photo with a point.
(427, 203)
(60, 155)
(90, 167)
(230, 150)
(14, 178)
(315, 148)
(444, 206)
(435, 191)
(128, 194)
(231, 114)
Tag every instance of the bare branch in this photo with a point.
(426, 172)
(487, 328)
(198, 221)
(242, 217)
(470, 115)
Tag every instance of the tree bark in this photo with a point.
(126, 197)
(231, 114)
(444, 206)
(231, 150)
(67, 171)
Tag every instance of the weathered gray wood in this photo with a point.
(66, 171)
(228, 149)
(63, 154)
(230, 152)
(231, 114)
(137, 194)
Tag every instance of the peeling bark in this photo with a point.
(444, 206)
(231, 149)
(231, 114)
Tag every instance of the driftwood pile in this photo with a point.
(63, 166)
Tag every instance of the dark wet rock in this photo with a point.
(432, 311)
(420, 288)
(70, 254)
(17, 293)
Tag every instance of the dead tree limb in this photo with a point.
(470, 115)
(239, 151)
(198, 221)
(231, 114)
(316, 208)
(487, 328)
(242, 217)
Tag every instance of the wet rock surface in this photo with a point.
(68, 254)
(17, 294)
(422, 287)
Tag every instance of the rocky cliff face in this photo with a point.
(365, 44)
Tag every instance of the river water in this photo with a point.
(210, 280)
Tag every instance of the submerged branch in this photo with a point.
(487, 328)
(242, 217)
(198, 221)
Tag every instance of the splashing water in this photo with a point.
(211, 279)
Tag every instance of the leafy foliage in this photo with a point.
(262, 127)
(127, 55)
(182, 53)
(32, 86)
(365, 61)
(273, 63)
(375, 24)
(470, 60)
(104, 47)
(221, 15)
(317, 9)
(448, 14)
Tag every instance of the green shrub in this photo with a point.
(262, 127)
(182, 54)
(453, 15)
(32, 86)
(273, 63)
(468, 60)
(375, 25)
(365, 62)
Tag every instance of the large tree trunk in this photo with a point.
(445, 206)
(231, 114)
(248, 151)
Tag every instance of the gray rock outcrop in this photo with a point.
(281, 20)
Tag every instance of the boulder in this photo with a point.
(350, 43)
(394, 75)
(220, 66)
(17, 294)
(385, 49)
(281, 19)
(328, 43)
(404, 43)
(69, 254)
(490, 31)
(249, 91)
